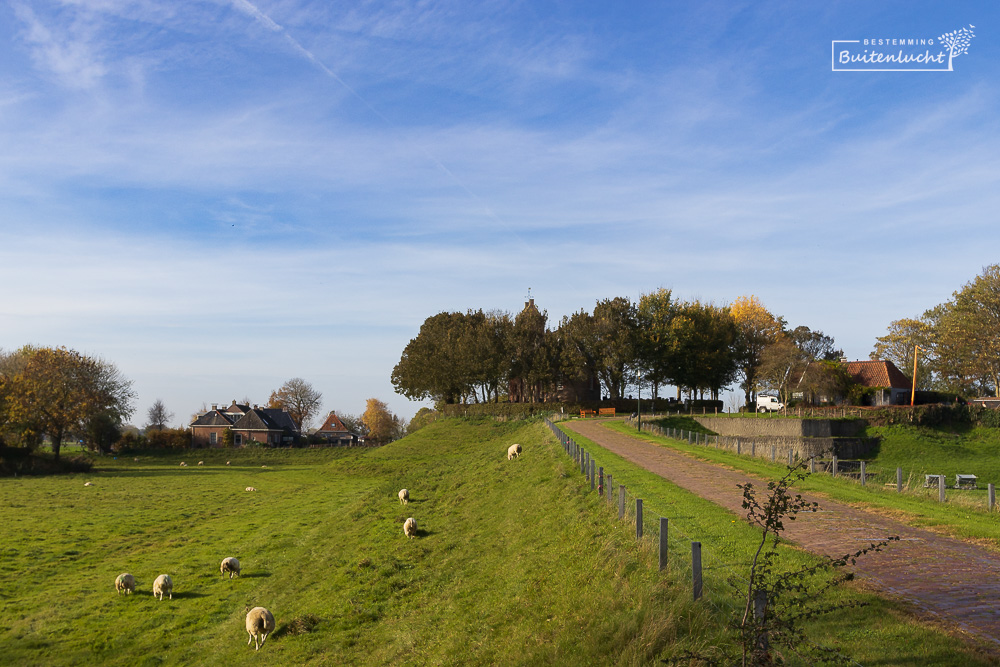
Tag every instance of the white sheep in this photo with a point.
(201, 463)
(227, 462)
(88, 483)
(513, 451)
(404, 496)
(183, 465)
(136, 459)
(125, 583)
(163, 585)
(260, 622)
(250, 488)
(410, 527)
(230, 565)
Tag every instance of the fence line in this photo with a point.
(649, 525)
(853, 469)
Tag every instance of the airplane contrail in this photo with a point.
(254, 12)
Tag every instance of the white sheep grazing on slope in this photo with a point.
(201, 463)
(125, 583)
(404, 496)
(260, 622)
(513, 451)
(250, 488)
(230, 565)
(410, 527)
(163, 585)
(183, 465)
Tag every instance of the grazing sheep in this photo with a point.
(163, 585)
(183, 465)
(260, 622)
(136, 459)
(410, 527)
(250, 488)
(404, 496)
(125, 583)
(512, 451)
(227, 462)
(201, 463)
(230, 565)
(88, 483)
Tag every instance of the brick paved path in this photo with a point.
(957, 582)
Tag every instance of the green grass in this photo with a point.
(514, 563)
(964, 515)
(881, 633)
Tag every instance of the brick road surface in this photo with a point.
(955, 581)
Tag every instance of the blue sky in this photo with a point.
(220, 196)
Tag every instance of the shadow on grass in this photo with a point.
(255, 575)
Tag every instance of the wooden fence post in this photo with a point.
(611, 487)
(834, 466)
(941, 488)
(812, 464)
(774, 453)
(759, 611)
(862, 473)
(638, 518)
(696, 568)
(621, 502)
(993, 496)
(899, 480)
(600, 477)
(790, 460)
(663, 543)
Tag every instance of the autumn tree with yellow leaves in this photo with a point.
(756, 328)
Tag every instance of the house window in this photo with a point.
(213, 438)
(238, 439)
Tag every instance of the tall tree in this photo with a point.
(654, 313)
(382, 425)
(616, 329)
(58, 391)
(299, 399)
(966, 336)
(899, 344)
(158, 417)
(756, 328)
(534, 362)
(700, 347)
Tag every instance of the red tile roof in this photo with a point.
(877, 374)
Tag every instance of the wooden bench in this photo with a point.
(931, 481)
(587, 413)
(607, 412)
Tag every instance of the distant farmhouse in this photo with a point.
(890, 385)
(334, 432)
(269, 426)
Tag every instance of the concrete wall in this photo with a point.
(784, 427)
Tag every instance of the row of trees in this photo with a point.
(956, 343)
(60, 393)
(697, 347)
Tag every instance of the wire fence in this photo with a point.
(680, 554)
(965, 489)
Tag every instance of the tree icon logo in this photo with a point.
(957, 42)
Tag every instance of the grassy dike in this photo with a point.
(918, 451)
(515, 563)
(882, 632)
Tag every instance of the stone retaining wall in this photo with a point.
(784, 427)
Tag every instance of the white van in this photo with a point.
(768, 404)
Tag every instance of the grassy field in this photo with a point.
(919, 451)
(515, 562)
